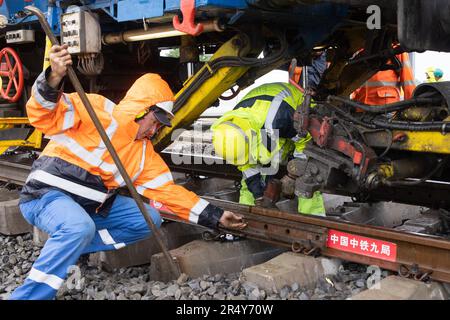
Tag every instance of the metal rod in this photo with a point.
(155, 33)
(79, 89)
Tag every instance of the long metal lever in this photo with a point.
(79, 89)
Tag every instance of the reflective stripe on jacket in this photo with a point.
(77, 161)
(385, 86)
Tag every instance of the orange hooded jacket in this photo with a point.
(385, 86)
(77, 161)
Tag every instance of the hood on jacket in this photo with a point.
(146, 91)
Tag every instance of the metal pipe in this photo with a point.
(166, 31)
(305, 77)
(98, 125)
(190, 69)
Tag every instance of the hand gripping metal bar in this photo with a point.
(79, 89)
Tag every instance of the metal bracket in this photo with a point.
(413, 273)
(188, 26)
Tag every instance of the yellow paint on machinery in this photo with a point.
(208, 92)
(33, 141)
(14, 120)
(435, 142)
(418, 141)
(386, 170)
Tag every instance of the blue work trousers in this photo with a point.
(73, 232)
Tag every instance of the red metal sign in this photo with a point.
(362, 245)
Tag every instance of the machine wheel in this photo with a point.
(11, 72)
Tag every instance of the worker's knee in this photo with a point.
(82, 231)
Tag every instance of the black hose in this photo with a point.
(389, 145)
(351, 118)
(396, 106)
(228, 61)
(440, 126)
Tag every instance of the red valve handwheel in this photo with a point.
(11, 71)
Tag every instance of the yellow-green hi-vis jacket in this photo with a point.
(267, 112)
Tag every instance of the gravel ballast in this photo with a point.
(88, 282)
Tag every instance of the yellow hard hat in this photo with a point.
(429, 72)
(231, 143)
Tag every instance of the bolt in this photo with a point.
(237, 43)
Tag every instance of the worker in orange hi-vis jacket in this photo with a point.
(388, 86)
(71, 192)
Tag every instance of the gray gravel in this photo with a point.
(18, 253)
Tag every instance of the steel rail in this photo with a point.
(420, 254)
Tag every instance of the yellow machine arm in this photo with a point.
(208, 92)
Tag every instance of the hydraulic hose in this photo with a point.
(228, 61)
(378, 109)
(440, 126)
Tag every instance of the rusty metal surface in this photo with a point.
(14, 172)
(427, 255)
(422, 253)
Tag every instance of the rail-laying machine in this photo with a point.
(392, 152)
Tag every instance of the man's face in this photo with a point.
(148, 126)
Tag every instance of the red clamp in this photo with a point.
(188, 26)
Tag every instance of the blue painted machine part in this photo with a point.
(314, 21)
(120, 10)
(172, 5)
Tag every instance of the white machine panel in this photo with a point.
(19, 36)
(81, 32)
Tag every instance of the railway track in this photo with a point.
(415, 256)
